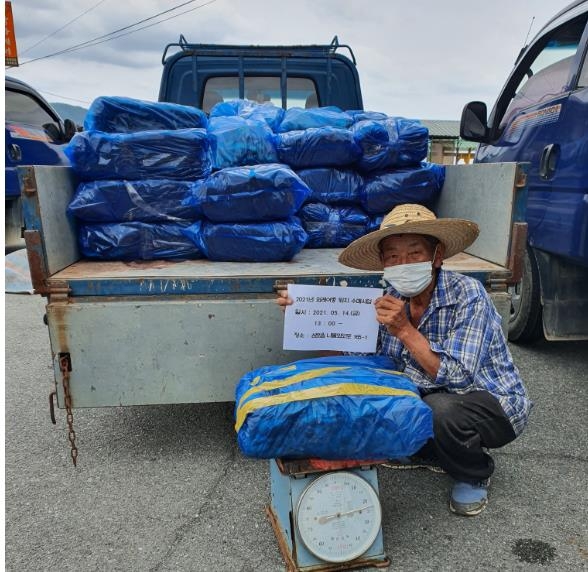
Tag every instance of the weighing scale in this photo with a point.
(326, 514)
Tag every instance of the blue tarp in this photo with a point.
(317, 147)
(361, 115)
(330, 226)
(250, 194)
(333, 186)
(154, 200)
(136, 241)
(422, 185)
(342, 407)
(297, 119)
(238, 242)
(182, 154)
(391, 143)
(127, 115)
(239, 141)
(267, 112)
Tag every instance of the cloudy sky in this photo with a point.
(420, 58)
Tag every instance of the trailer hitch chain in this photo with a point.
(65, 367)
(52, 397)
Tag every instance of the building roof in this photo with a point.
(442, 128)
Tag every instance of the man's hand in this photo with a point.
(391, 312)
(283, 299)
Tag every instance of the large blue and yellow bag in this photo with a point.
(340, 407)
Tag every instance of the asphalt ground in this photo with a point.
(165, 488)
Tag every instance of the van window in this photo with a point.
(300, 92)
(22, 108)
(546, 76)
(583, 79)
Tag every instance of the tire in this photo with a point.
(526, 323)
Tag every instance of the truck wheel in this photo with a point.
(526, 324)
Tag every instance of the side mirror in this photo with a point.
(474, 122)
(70, 130)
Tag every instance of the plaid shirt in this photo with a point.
(464, 329)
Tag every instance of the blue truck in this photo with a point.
(162, 332)
(541, 117)
(34, 134)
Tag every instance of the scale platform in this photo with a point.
(318, 525)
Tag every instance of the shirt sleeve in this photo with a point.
(464, 348)
(463, 351)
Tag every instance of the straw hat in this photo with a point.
(456, 234)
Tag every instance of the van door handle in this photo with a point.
(14, 152)
(549, 160)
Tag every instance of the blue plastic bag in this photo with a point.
(250, 194)
(136, 241)
(183, 154)
(267, 112)
(341, 407)
(241, 141)
(330, 226)
(297, 119)
(375, 222)
(381, 193)
(239, 242)
(149, 200)
(361, 115)
(317, 147)
(333, 186)
(127, 115)
(392, 143)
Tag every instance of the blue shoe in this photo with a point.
(469, 499)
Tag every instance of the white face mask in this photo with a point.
(409, 279)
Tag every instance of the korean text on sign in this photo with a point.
(331, 318)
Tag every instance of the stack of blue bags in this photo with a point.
(137, 162)
(251, 183)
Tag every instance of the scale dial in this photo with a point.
(338, 516)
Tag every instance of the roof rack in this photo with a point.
(308, 51)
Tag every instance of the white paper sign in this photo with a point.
(331, 318)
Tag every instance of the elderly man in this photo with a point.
(444, 332)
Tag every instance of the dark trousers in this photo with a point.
(463, 424)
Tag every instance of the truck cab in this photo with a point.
(287, 76)
(541, 117)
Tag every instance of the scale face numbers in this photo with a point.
(338, 516)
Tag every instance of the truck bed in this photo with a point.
(161, 277)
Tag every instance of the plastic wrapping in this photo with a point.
(380, 194)
(267, 112)
(136, 241)
(250, 194)
(361, 115)
(342, 407)
(297, 119)
(331, 226)
(126, 115)
(317, 147)
(154, 200)
(241, 141)
(392, 143)
(375, 222)
(264, 242)
(183, 154)
(333, 186)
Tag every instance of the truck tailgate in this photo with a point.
(160, 277)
